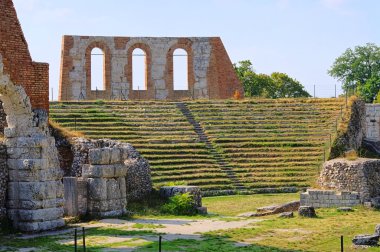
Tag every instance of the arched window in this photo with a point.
(180, 70)
(139, 70)
(97, 69)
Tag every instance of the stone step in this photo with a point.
(203, 137)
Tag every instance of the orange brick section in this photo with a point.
(221, 77)
(66, 67)
(34, 77)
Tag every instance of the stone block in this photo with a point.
(34, 204)
(113, 189)
(122, 187)
(202, 210)
(40, 215)
(286, 215)
(366, 240)
(120, 170)
(307, 211)
(304, 196)
(32, 190)
(99, 156)
(27, 164)
(71, 196)
(32, 227)
(98, 171)
(115, 156)
(24, 153)
(97, 189)
(28, 142)
(82, 196)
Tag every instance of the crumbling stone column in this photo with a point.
(35, 190)
(105, 173)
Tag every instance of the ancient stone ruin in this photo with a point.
(31, 188)
(111, 173)
(34, 198)
(210, 71)
(361, 176)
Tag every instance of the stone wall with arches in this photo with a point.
(210, 73)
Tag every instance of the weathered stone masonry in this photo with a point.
(210, 71)
(373, 122)
(34, 199)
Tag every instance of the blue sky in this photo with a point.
(299, 37)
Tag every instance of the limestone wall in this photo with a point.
(210, 71)
(3, 180)
(361, 175)
(373, 122)
(351, 137)
(108, 174)
(329, 198)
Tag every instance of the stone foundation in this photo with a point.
(111, 173)
(361, 175)
(329, 198)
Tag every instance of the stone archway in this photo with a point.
(35, 190)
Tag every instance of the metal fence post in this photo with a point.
(84, 239)
(341, 244)
(75, 241)
(159, 243)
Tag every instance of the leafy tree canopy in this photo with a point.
(359, 69)
(276, 85)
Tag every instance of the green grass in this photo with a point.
(237, 204)
(269, 136)
(304, 234)
(321, 234)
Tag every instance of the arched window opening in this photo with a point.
(97, 69)
(180, 70)
(139, 70)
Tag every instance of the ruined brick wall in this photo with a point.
(210, 71)
(32, 76)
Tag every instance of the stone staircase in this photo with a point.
(203, 137)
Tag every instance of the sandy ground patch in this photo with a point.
(171, 229)
(175, 226)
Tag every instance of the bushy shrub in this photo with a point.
(180, 204)
(176, 183)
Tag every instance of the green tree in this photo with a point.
(287, 87)
(359, 69)
(277, 85)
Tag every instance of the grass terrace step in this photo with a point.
(265, 143)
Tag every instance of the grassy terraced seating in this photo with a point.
(255, 143)
(157, 129)
(269, 143)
